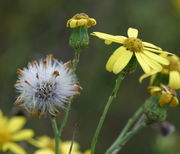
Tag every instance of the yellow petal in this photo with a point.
(109, 38)
(157, 58)
(158, 51)
(107, 42)
(73, 23)
(143, 63)
(165, 98)
(41, 142)
(122, 60)
(150, 45)
(174, 79)
(174, 102)
(44, 151)
(154, 91)
(152, 79)
(23, 135)
(16, 149)
(132, 32)
(152, 63)
(16, 123)
(113, 58)
(142, 77)
(65, 147)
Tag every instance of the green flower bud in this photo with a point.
(154, 113)
(79, 38)
(80, 23)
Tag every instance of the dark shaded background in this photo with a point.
(31, 29)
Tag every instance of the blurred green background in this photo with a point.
(30, 29)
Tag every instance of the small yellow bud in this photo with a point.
(174, 102)
(154, 91)
(167, 95)
(165, 98)
(79, 20)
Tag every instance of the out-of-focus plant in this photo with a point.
(11, 133)
(46, 145)
(167, 144)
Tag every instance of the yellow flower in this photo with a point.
(168, 95)
(10, 132)
(172, 70)
(80, 19)
(47, 146)
(146, 53)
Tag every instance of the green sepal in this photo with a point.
(79, 38)
(154, 113)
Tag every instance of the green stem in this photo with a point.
(120, 142)
(131, 121)
(56, 134)
(76, 59)
(129, 124)
(65, 118)
(103, 116)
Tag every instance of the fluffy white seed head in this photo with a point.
(46, 86)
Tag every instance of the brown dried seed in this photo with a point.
(55, 73)
(20, 72)
(37, 75)
(19, 101)
(68, 64)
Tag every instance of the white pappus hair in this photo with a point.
(46, 86)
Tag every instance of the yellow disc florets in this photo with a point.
(174, 64)
(81, 19)
(133, 44)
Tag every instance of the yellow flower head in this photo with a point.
(10, 132)
(146, 53)
(47, 146)
(81, 19)
(172, 70)
(168, 95)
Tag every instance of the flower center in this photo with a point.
(174, 64)
(45, 91)
(133, 44)
(4, 135)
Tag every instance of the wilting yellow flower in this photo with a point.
(146, 53)
(47, 146)
(10, 132)
(81, 19)
(172, 70)
(168, 95)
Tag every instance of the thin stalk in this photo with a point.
(56, 134)
(120, 142)
(65, 118)
(131, 121)
(103, 116)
